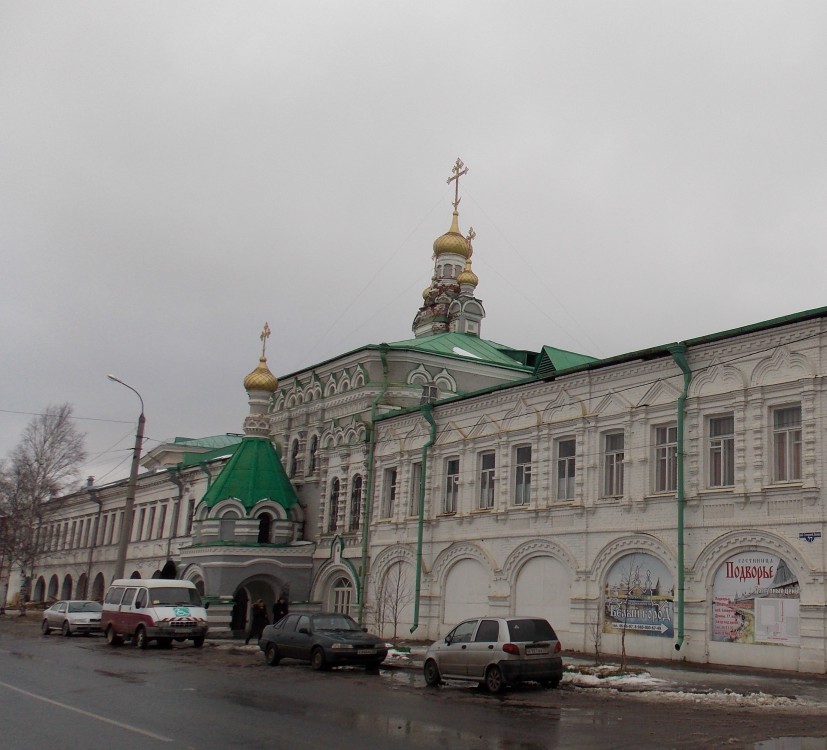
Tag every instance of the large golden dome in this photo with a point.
(261, 379)
(452, 241)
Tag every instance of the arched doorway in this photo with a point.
(40, 590)
(98, 588)
(53, 584)
(66, 588)
(135, 574)
(83, 587)
(169, 571)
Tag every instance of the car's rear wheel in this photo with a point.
(271, 655)
(317, 660)
(139, 640)
(112, 638)
(44, 627)
(66, 629)
(432, 676)
(372, 666)
(494, 679)
(198, 641)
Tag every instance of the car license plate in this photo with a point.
(366, 652)
(534, 651)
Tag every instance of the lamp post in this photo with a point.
(129, 507)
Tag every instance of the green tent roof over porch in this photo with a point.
(252, 475)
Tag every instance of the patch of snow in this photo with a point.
(463, 353)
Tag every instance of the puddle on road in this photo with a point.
(793, 743)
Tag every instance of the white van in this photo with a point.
(153, 609)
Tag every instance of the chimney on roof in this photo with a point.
(90, 481)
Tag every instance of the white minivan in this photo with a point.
(153, 609)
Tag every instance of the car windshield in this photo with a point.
(84, 607)
(529, 630)
(173, 595)
(334, 622)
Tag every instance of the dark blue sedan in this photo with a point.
(328, 639)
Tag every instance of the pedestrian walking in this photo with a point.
(257, 621)
(280, 608)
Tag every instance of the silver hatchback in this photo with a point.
(497, 651)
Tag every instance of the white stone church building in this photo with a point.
(674, 496)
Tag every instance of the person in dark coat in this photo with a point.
(257, 621)
(280, 608)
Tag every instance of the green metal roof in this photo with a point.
(215, 441)
(252, 475)
(193, 459)
(463, 346)
(553, 360)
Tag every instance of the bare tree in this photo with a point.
(43, 465)
(392, 596)
(595, 628)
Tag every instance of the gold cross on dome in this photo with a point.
(458, 170)
(265, 334)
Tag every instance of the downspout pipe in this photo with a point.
(678, 352)
(427, 412)
(383, 354)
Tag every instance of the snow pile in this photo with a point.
(644, 685)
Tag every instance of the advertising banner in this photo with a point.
(755, 599)
(639, 593)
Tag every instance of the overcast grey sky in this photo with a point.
(174, 174)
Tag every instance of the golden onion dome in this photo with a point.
(261, 379)
(426, 293)
(468, 276)
(452, 241)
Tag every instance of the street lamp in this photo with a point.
(129, 507)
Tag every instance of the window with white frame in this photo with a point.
(449, 502)
(566, 467)
(722, 451)
(613, 455)
(311, 456)
(488, 463)
(341, 596)
(786, 444)
(294, 458)
(389, 493)
(416, 480)
(333, 520)
(355, 502)
(522, 475)
(666, 458)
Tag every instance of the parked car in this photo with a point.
(497, 651)
(328, 639)
(72, 616)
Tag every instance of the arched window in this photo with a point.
(341, 595)
(311, 456)
(334, 505)
(356, 502)
(265, 521)
(294, 458)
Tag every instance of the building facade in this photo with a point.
(671, 498)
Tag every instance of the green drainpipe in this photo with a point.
(383, 353)
(427, 413)
(678, 352)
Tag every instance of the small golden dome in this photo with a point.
(261, 379)
(452, 241)
(426, 293)
(468, 276)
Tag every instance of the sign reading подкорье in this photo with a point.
(755, 599)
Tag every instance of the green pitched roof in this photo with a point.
(253, 474)
(463, 346)
(553, 360)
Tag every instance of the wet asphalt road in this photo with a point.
(81, 693)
